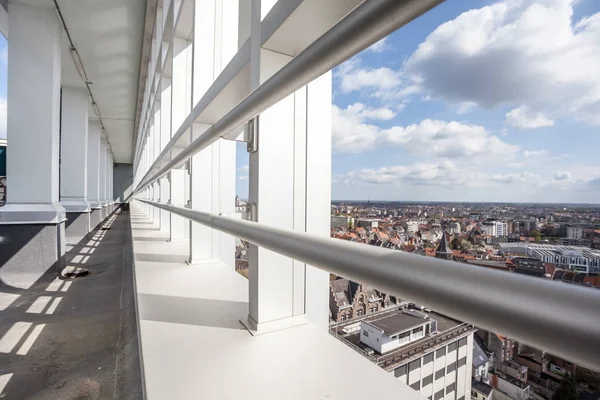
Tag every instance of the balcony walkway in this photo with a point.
(75, 339)
(194, 347)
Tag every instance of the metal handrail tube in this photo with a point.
(561, 319)
(366, 24)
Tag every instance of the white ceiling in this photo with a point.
(108, 36)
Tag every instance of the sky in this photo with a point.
(474, 101)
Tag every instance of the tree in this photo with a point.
(465, 245)
(455, 244)
(535, 234)
(567, 389)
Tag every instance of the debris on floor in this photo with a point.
(71, 272)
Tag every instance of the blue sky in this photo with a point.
(474, 101)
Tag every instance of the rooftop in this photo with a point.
(481, 387)
(396, 322)
(447, 329)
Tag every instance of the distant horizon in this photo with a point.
(455, 202)
(462, 202)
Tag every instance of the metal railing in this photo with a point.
(553, 316)
(366, 24)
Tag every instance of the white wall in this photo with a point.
(371, 336)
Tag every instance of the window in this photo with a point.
(451, 368)
(427, 380)
(439, 395)
(439, 374)
(400, 371)
(461, 398)
(414, 365)
(451, 388)
(416, 386)
(461, 362)
(417, 331)
(452, 346)
(427, 358)
(462, 342)
(440, 352)
(365, 333)
(344, 317)
(404, 335)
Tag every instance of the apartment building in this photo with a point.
(575, 258)
(428, 351)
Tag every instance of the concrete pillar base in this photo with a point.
(29, 251)
(95, 218)
(77, 226)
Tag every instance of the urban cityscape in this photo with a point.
(425, 349)
(548, 241)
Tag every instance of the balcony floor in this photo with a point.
(194, 347)
(75, 339)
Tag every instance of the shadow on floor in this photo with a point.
(193, 311)
(76, 339)
(165, 258)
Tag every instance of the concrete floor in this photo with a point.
(75, 339)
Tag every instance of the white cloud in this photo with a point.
(562, 175)
(523, 177)
(430, 138)
(515, 52)
(243, 178)
(4, 55)
(421, 174)
(2, 117)
(522, 118)
(352, 77)
(243, 168)
(379, 46)
(350, 132)
(535, 153)
(363, 112)
(448, 139)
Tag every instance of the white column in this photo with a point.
(93, 164)
(74, 142)
(111, 197)
(165, 192)
(33, 91)
(103, 172)
(293, 194)
(213, 169)
(177, 198)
